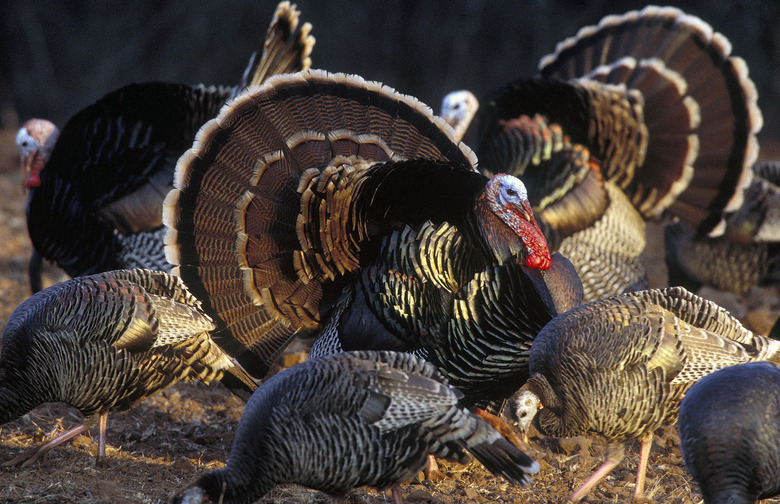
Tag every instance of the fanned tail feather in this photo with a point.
(700, 108)
(256, 215)
(285, 48)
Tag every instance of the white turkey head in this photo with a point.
(521, 410)
(35, 140)
(507, 199)
(458, 108)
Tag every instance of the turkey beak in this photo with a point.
(525, 211)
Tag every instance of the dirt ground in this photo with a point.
(162, 444)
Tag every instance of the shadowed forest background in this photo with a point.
(57, 57)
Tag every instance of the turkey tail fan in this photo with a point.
(699, 106)
(272, 200)
(285, 48)
(756, 222)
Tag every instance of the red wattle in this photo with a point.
(33, 180)
(539, 260)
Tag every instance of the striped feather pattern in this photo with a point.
(621, 366)
(286, 49)
(655, 101)
(606, 254)
(475, 323)
(748, 253)
(103, 342)
(107, 175)
(694, 261)
(618, 362)
(359, 418)
(730, 433)
(289, 187)
(114, 161)
(699, 106)
(564, 184)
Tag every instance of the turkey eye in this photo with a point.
(511, 192)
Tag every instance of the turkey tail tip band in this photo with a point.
(503, 457)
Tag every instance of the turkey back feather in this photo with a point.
(106, 341)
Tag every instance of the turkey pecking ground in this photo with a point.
(164, 443)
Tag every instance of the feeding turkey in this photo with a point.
(746, 255)
(620, 366)
(349, 420)
(102, 343)
(730, 433)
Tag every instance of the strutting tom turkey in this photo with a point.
(348, 420)
(97, 187)
(101, 343)
(620, 366)
(646, 113)
(323, 202)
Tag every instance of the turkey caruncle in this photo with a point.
(644, 114)
(97, 187)
(323, 200)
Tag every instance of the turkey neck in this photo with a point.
(235, 484)
(551, 419)
(498, 241)
(249, 472)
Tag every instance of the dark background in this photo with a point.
(58, 56)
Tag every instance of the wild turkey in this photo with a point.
(349, 420)
(620, 366)
(748, 253)
(101, 343)
(96, 188)
(644, 114)
(322, 202)
(730, 433)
